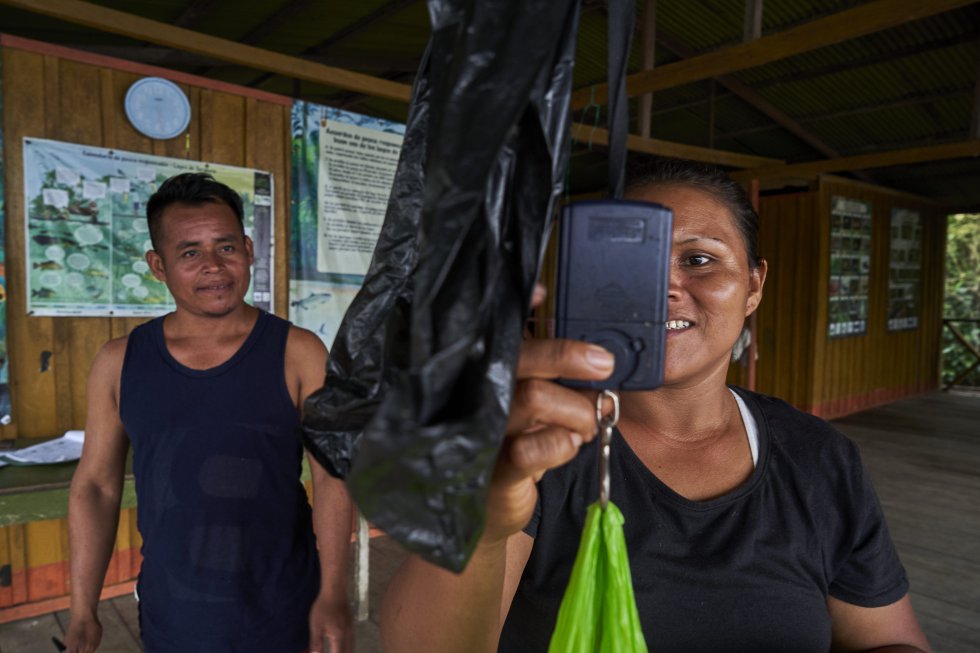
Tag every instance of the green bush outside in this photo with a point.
(962, 295)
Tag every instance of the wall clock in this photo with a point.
(157, 108)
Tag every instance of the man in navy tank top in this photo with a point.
(209, 398)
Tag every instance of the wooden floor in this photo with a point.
(924, 458)
(923, 455)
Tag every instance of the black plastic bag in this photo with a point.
(421, 373)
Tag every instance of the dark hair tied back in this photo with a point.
(708, 178)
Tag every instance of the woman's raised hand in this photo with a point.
(548, 423)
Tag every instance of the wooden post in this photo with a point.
(975, 118)
(753, 20)
(649, 61)
(711, 114)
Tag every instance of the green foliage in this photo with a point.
(962, 295)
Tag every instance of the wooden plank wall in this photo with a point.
(788, 227)
(857, 372)
(56, 97)
(797, 361)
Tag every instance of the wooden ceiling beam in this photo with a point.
(598, 136)
(865, 161)
(852, 23)
(170, 58)
(144, 29)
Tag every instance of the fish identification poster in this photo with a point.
(87, 234)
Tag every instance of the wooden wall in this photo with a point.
(788, 231)
(55, 93)
(797, 361)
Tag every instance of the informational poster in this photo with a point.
(357, 166)
(342, 170)
(87, 234)
(4, 361)
(904, 270)
(850, 266)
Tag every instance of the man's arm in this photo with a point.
(93, 504)
(330, 617)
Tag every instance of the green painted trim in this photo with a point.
(35, 492)
(48, 504)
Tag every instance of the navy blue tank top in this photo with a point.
(229, 555)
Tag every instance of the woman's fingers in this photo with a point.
(538, 403)
(532, 454)
(538, 295)
(567, 359)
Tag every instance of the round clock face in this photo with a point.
(157, 108)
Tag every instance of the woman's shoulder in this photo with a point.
(795, 431)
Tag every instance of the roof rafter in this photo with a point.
(851, 23)
(864, 161)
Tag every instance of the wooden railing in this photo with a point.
(950, 324)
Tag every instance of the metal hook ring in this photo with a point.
(606, 425)
(613, 418)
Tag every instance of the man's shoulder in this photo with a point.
(114, 350)
(303, 342)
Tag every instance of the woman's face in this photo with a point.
(712, 289)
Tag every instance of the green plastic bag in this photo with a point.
(598, 612)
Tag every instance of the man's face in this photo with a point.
(203, 258)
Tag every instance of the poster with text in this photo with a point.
(4, 360)
(343, 165)
(850, 266)
(904, 270)
(87, 234)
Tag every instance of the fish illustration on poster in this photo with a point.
(87, 233)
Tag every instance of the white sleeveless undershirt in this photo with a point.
(751, 429)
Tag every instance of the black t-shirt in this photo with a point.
(747, 571)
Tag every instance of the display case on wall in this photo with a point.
(904, 269)
(850, 266)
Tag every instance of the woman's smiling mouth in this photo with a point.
(674, 325)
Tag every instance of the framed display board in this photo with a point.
(87, 234)
(904, 269)
(850, 266)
